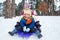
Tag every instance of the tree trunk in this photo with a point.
(23, 3)
(8, 9)
(52, 7)
(13, 8)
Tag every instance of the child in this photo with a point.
(27, 23)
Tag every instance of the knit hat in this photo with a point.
(26, 5)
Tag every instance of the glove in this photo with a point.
(28, 29)
(24, 28)
(28, 21)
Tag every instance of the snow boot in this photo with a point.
(11, 33)
(39, 36)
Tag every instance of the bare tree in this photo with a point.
(13, 8)
(43, 7)
(52, 7)
(8, 11)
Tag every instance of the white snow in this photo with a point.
(50, 28)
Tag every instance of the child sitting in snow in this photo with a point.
(27, 23)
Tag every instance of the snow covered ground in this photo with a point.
(50, 28)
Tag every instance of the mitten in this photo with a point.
(24, 28)
(28, 29)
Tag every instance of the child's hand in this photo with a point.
(26, 29)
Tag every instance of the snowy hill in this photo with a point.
(50, 28)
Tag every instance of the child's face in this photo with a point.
(26, 16)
